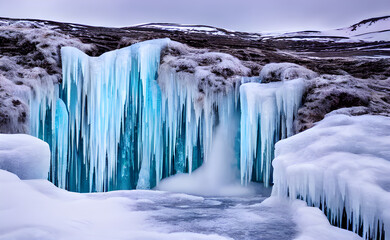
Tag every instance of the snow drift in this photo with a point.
(24, 155)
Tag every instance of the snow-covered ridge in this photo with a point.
(374, 29)
(198, 29)
(187, 28)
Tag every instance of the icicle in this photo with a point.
(60, 144)
(129, 128)
(267, 115)
(113, 109)
(131, 122)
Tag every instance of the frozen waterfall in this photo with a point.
(126, 123)
(123, 121)
(267, 115)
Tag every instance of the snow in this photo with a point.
(24, 155)
(212, 71)
(267, 115)
(375, 29)
(369, 31)
(186, 28)
(273, 72)
(342, 161)
(311, 222)
(36, 209)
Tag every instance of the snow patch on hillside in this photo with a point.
(188, 28)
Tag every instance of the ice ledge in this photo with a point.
(341, 165)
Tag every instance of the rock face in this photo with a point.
(345, 94)
(29, 68)
(342, 72)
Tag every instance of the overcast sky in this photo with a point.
(243, 15)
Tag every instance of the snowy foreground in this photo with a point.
(36, 209)
(26, 156)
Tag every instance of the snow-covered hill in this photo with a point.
(185, 28)
(373, 29)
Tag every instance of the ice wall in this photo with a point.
(120, 121)
(267, 115)
(123, 121)
(114, 117)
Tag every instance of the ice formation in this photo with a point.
(342, 166)
(267, 115)
(122, 121)
(219, 176)
(24, 155)
(128, 118)
(114, 106)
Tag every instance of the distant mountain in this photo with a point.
(373, 29)
(369, 30)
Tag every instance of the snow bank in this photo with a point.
(26, 156)
(37, 210)
(275, 72)
(342, 163)
(311, 222)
